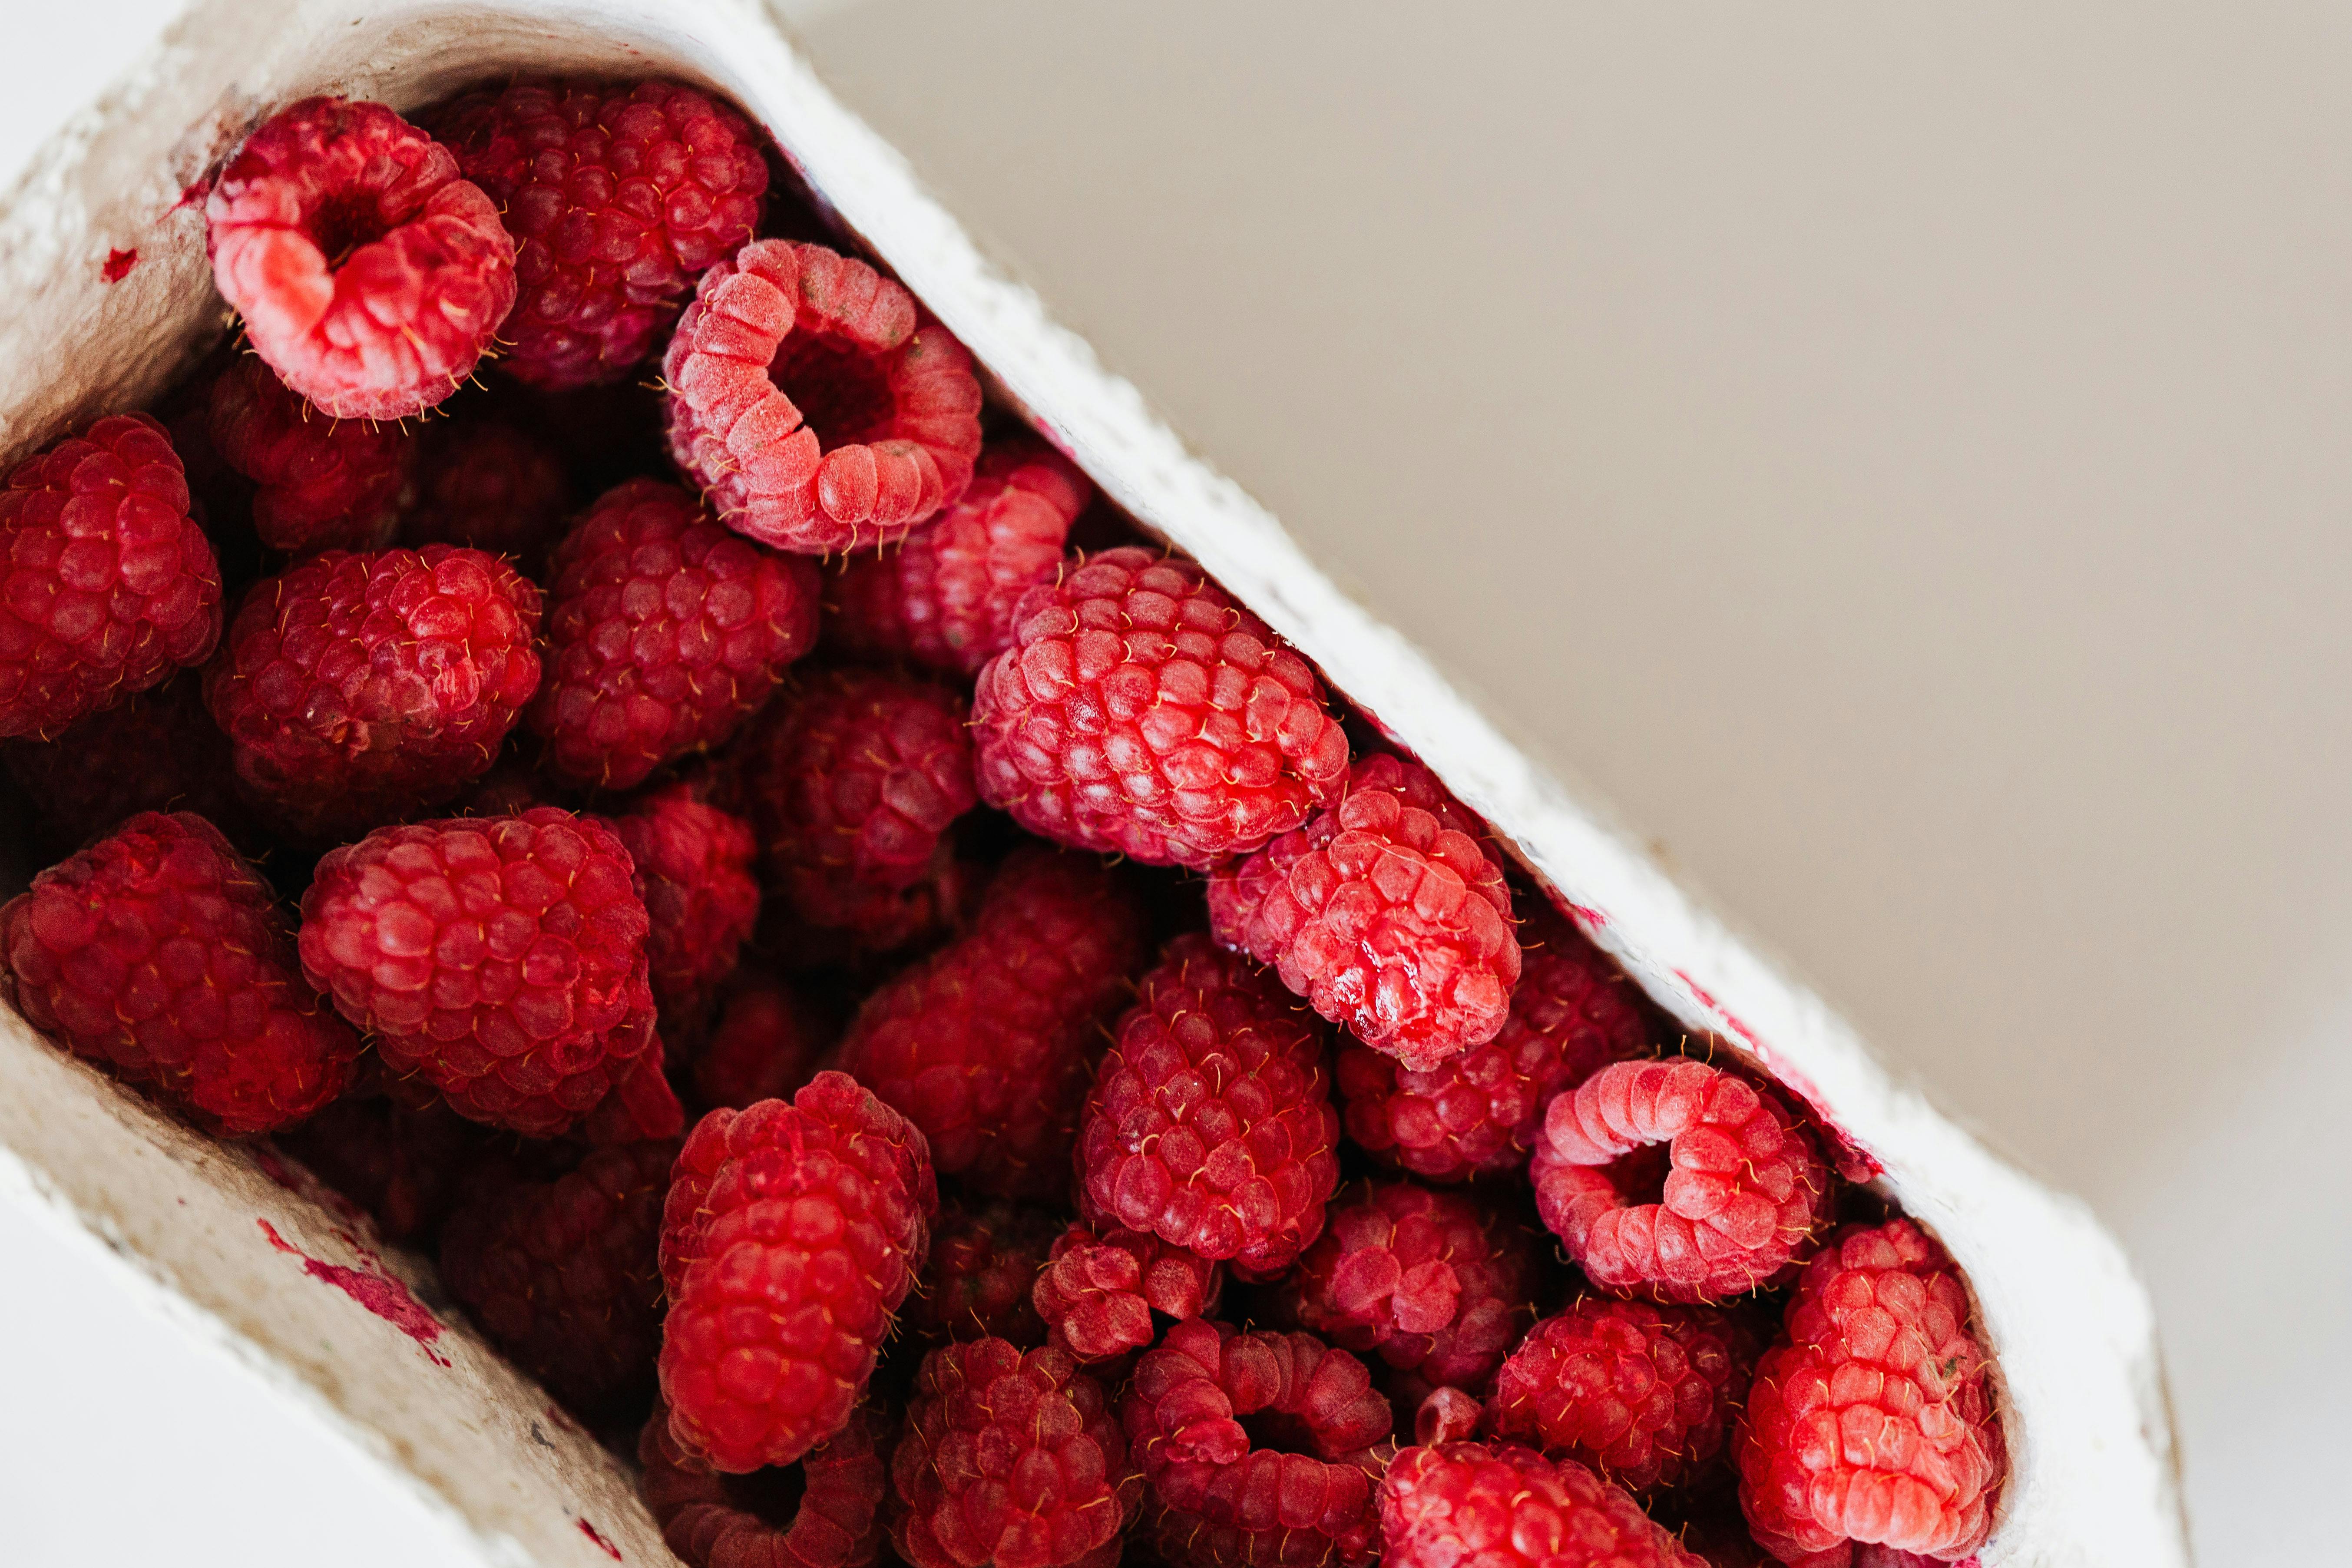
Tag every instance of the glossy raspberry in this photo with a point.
(1746, 1188)
(1100, 1290)
(1870, 1420)
(1643, 1394)
(984, 1257)
(852, 780)
(1438, 1283)
(503, 959)
(154, 751)
(823, 1512)
(944, 596)
(1257, 1447)
(1573, 1014)
(562, 1275)
(107, 585)
(404, 1164)
(372, 277)
(764, 1046)
(1139, 710)
(815, 404)
(791, 1235)
(490, 484)
(160, 955)
(988, 1044)
(1501, 1506)
(1010, 1460)
(1210, 1122)
(694, 871)
(617, 195)
(319, 483)
(664, 632)
(1446, 1415)
(358, 687)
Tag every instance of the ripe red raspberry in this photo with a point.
(1500, 1506)
(562, 1275)
(641, 1106)
(617, 195)
(815, 404)
(358, 687)
(988, 1043)
(1439, 1283)
(664, 632)
(502, 958)
(824, 1513)
(1258, 1447)
(107, 585)
(1098, 1290)
(369, 275)
(154, 751)
(403, 1163)
(944, 599)
(1643, 1394)
(1210, 1122)
(160, 955)
(1446, 1415)
(1746, 1191)
(1140, 710)
(984, 1258)
(765, 1046)
(319, 483)
(853, 781)
(1870, 1420)
(490, 484)
(1010, 1459)
(694, 872)
(1478, 1113)
(791, 1235)
(1387, 911)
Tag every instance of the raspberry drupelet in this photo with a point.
(1870, 1420)
(617, 196)
(372, 277)
(488, 484)
(1746, 1191)
(154, 751)
(361, 687)
(1257, 1447)
(663, 633)
(823, 1512)
(1210, 1122)
(503, 959)
(160, 955)
(107, 585)
(1478, 1113)
(694, 871)
(1138, 710)
(988, 1044)
(792, 1233)
(1102, 1293)
(764, 1046)
(319, 483)
(1501, 1506)
(985, 1257)
(814, 401)
(944, 597)
(1011, 1459)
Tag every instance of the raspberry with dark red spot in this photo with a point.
(985, 1257)
(1102, 1294)
(694, 871)
(765, 1045)
(1501, 1506)
(825, 1512)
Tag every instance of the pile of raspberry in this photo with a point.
(930, 1040)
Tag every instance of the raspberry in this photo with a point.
(1480, 1112)
(825, 1513)
(764, 1046)
(853, 781)
(1138, 710)
(400, 1162)
(815, 404)
(107, 585)
(641, 1106)
(1438, 1283)
(792, 1233)
(616, 194)
(319, 483)
(1446, 1415)
(369, 275)
(489, 485)
(1500, 1506)
(988, 1043)
(1258, 1447)
(1210, 1122)
(502, 958)
(664, 632)
(1643, 1394)
(359, 687)
(160, 955)
(984, 1258)
(1387, 911)
(1010, 1459)
(1870, 1420)
(694, 871)
(562, 1275)
(154, 751)
(944, 599)
(1098, 1290)
(509, 787)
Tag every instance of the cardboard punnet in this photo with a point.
(238, 1245)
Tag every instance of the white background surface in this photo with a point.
(1900, 459)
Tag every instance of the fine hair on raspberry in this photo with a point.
(824, 1511)
(319, 483)
(1103, 1293)
(1502, 1506)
